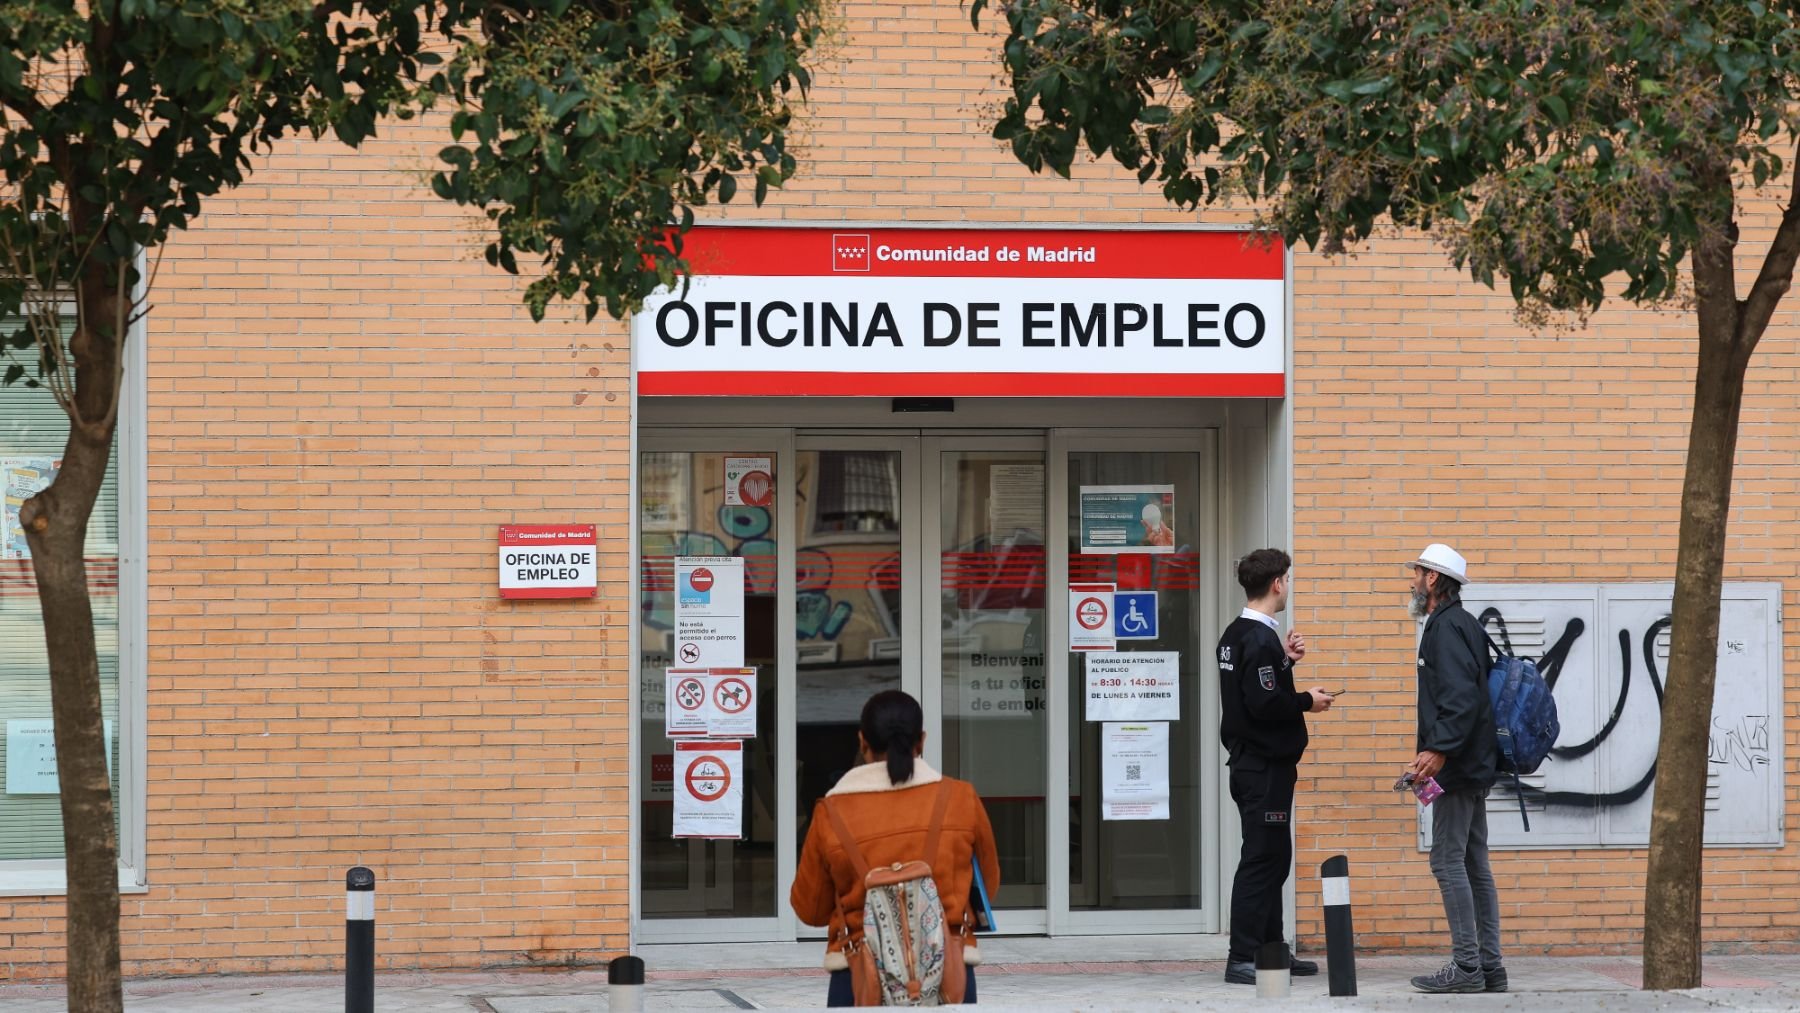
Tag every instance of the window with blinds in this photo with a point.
(33, 429)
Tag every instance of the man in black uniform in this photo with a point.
(1264, 728)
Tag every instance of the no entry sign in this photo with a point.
(548, 560)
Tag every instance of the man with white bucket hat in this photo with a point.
(1459, 747)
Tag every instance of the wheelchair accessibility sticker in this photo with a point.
(1134, 615)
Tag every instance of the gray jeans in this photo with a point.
(1459, 860)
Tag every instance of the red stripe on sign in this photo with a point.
(795, 384)
(981, 253)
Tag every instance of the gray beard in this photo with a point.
(1418, 606)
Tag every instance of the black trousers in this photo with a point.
(1264, 793)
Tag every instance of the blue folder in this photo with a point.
(978, 902)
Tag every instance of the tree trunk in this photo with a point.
(1678, 814)
(56, 523)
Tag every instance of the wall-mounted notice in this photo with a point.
(718, 703)
(749, 481)
(1015, 499)
(548, 560)
(31, 756)
(1138, 686)
(1091, 617)
(1134, 771)
(1127, 518)
(709, 611)
(20, 479)
(709, 790)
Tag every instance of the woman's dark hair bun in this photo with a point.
(892, 723)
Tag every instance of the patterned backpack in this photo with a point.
(903, 955)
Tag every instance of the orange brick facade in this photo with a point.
(344, 403)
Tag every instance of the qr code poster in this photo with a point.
(20, 479)
(1134, 770)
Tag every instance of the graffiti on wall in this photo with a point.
(1604, 651)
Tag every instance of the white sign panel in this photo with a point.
(1606, 646)
(709, 789)
(948, 312)
(31, 756)
(1091, 617)
(689, 703)
(548, 560)
(1135, 686)
(1134, 771)
(709, 611)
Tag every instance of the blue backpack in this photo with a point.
(1524, 717)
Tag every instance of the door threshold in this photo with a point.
(1065, 949)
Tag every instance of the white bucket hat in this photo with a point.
(1445, 560)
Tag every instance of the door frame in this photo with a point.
(921, 540)
(782, 925)
(1207, 917)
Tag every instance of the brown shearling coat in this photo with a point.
(890, 822)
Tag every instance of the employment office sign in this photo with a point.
(548, 560)
(977, 313)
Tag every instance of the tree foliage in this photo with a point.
(1556, 143)
(1565, 145)
(587, 131)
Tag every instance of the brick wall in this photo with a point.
(345, 402)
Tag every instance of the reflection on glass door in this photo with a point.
(1140, 865)
(682, 512)
(848, 612)
(991, 513)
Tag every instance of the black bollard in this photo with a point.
(359, 941)
(625, 984)
(1273, 968)
(1340, 934)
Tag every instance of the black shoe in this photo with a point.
(1303, 968)
(1495, 978)
(1240, 972)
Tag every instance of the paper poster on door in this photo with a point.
(1091, 617)
(1134, 771)
(1015, 499)
(1127, 518)
(709, 790)
(709, 611)
(1139, 686)
(749, 481)
(714, 703)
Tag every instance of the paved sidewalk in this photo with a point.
(1539, 984)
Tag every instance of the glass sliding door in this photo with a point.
(683, 509)
(1126, 872)
(992, 685)
(855, 608)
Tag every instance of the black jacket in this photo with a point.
(1455, 716)
(1261, 713)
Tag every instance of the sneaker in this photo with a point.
(1496, 979)
(1450, 978)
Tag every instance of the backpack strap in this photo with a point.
(1519, 790)
(937, 821)
(845, 839)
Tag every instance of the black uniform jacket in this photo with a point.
(1262, 714)
(1455, 716)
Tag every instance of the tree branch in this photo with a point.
(1777, 273)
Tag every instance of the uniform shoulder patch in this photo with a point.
(1266, 676)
